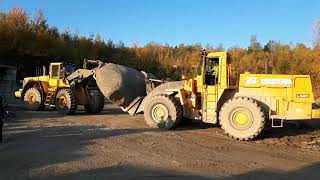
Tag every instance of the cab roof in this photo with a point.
(217, 54)
(58, 63)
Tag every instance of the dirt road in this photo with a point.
(113, 145)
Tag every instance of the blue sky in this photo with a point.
(230, 22)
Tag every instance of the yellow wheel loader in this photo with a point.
(241, 104)
(62, 89)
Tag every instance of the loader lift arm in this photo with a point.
(81, 74)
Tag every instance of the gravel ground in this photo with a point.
(113, 145)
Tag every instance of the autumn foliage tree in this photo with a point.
(29, 41)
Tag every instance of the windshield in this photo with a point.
(69, 69)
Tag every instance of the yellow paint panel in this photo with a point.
(38, 78)
(299, 111)
(274, 92)
(58, 83)
(302, 91)
(265, 80)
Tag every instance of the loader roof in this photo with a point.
(217, 54)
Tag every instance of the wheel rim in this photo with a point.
(241, 119)
(62, 101)
(31, 99)
(160, 113)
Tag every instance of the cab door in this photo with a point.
(54, 75)
(210, 93)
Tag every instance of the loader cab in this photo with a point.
(212, 69)
(211, 83)
(58, 72)
(61, 70)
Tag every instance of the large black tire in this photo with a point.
(33, 99)
(66, 102)
(163, 112)
(96, 102)
(242, 118)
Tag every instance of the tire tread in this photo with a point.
(248, 101)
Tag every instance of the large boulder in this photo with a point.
(120, 84)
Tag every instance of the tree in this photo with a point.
(316, 34)
(254, 44)
(39, 23)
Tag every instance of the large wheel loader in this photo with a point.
(241, 104)
(62, 89)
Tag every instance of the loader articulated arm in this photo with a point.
(80, 74)
(96, 63)
(89, 69)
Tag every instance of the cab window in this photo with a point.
(55, 71)
(69, 69)
(212, 71)
(66, 70)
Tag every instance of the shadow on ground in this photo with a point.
(20, 112)
(288, 131)
(35, 147)
(193, 125)
(311, 172)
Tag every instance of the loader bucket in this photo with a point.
(122, 85)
